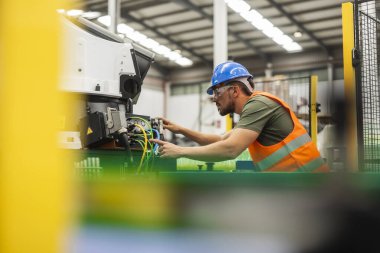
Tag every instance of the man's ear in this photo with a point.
(237, 90)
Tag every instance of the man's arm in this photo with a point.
(200, 138)
(235, 143)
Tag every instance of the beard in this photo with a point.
(227, 109)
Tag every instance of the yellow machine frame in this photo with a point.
(350, 85)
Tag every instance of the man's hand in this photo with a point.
(174, 128)
(200, 138)
(167, 149)
(227, 149)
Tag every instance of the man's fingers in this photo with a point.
(159, 142)
(163, 119)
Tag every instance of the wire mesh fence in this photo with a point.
(367, 25)
(294, 91)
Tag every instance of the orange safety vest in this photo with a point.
(295, 153)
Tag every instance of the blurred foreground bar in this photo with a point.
(230, 212)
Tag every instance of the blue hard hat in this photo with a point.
(225, 72)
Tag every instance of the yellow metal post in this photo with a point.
(34, 184)
(349, 85)
(229, 122)
(313, 114)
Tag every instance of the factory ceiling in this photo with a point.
(187, 26)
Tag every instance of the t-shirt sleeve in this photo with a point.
(255, 115)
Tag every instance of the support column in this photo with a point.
(330, 70)
(166, 88)
(313, 108)
(220, 32)
(330, 83)
(221, 44)
(114, 13)
(349, 86)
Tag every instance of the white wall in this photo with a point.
(184, 109)
(150, 103)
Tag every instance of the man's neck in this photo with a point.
(239, 104)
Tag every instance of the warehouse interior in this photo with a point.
(186, 27)
(97, 94)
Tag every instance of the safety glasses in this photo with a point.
(220, 90)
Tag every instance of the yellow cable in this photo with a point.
(148, 156)
(145, 146)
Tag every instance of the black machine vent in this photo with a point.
(130, 86)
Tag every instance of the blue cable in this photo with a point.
(156, 131)
(157, 137)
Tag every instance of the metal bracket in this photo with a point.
(109, 117)
(355, 57)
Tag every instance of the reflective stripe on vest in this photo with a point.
(284, 151)
(312, 165)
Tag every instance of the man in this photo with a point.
(275, 138)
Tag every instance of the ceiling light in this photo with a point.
(251, 15)
(161, 50)
(91, 14)
(61, 11)
(129, 33)
(239, 6)
(137, 36)
(183, 61)
(297, 34)
(143, 40)
(293, 47)
(74, 12)
(272, 32)
(149, 43)
(105, 20)
(123, 28)
(282, 40)
(263, 24)
(173, 55)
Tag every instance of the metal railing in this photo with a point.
(366, 62)
(296, 92)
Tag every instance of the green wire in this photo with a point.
(141, 143)
(149, 154)
(150, 134)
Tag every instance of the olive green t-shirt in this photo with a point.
(265, 116)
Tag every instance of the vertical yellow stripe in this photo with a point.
(349, 84)
(229, 122)
(33, 176)
(313, 102)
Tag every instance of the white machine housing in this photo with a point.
(96, 61)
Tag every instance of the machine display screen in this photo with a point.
(143, 63)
